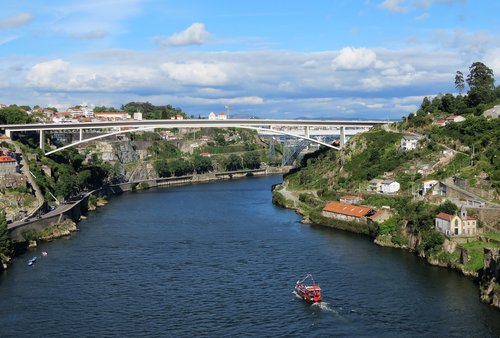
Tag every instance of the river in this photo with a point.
(219, 260)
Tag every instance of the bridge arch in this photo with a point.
(277, 132)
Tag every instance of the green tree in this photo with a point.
(202, 164)
(14, 115)
(426, 105)
(481, 83)
(5, 244)
(459, 82)
(233, 162)
(447, 207)
(251, 160)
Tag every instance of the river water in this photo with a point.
(219, 260)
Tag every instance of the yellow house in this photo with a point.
(456, 225)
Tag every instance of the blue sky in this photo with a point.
(271, 59)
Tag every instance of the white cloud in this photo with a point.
(196, 34)
(16, 21)
(492, 60)
(47, 73)
(197, 73)
(404, 6)
(310, 64)
(291, 82)
(394, 6)
(354, 58)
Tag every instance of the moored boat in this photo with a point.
(308, 290)
(32, 260)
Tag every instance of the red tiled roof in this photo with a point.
(346, 209)
(5, 159)
(442, 215)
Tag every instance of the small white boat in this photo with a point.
(32, 261)
(44, 253)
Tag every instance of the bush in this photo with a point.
(389, 226)
(431, 240)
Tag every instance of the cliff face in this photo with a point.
(490, 278)
(128, 158)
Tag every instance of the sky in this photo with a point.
(328, 59)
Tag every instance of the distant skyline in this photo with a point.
(343, 59)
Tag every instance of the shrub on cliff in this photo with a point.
(5, 244)
(431, 241)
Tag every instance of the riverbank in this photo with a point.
(488, 280)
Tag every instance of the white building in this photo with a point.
(220, 116)
(84, 111)
(428, 185)
(409, 142)
(375, 185)
(390, 187)
(455, 119)
(453, 225)
(112, 115)
(138, 116)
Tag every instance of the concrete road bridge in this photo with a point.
(302, 129)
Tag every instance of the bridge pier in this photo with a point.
(42, 140)
(81, 134)
(342, 136)
(306, 131)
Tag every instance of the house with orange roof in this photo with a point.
(456, 225)
(8, 165)
(347, 212)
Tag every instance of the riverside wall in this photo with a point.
(74, 212)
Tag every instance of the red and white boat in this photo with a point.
(308, 290)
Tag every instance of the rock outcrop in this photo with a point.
(490, 278)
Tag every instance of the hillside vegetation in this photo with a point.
(467, 151)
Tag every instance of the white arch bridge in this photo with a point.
(302, 129)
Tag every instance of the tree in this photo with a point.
(233, 162)
(426, 105)
(14, 115)
(202, 164)
(5, 244)
(459, 82)
(251, 160)
(448, 103)
(447, 207)
(481, 83)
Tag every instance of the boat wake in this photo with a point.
(324, 306)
